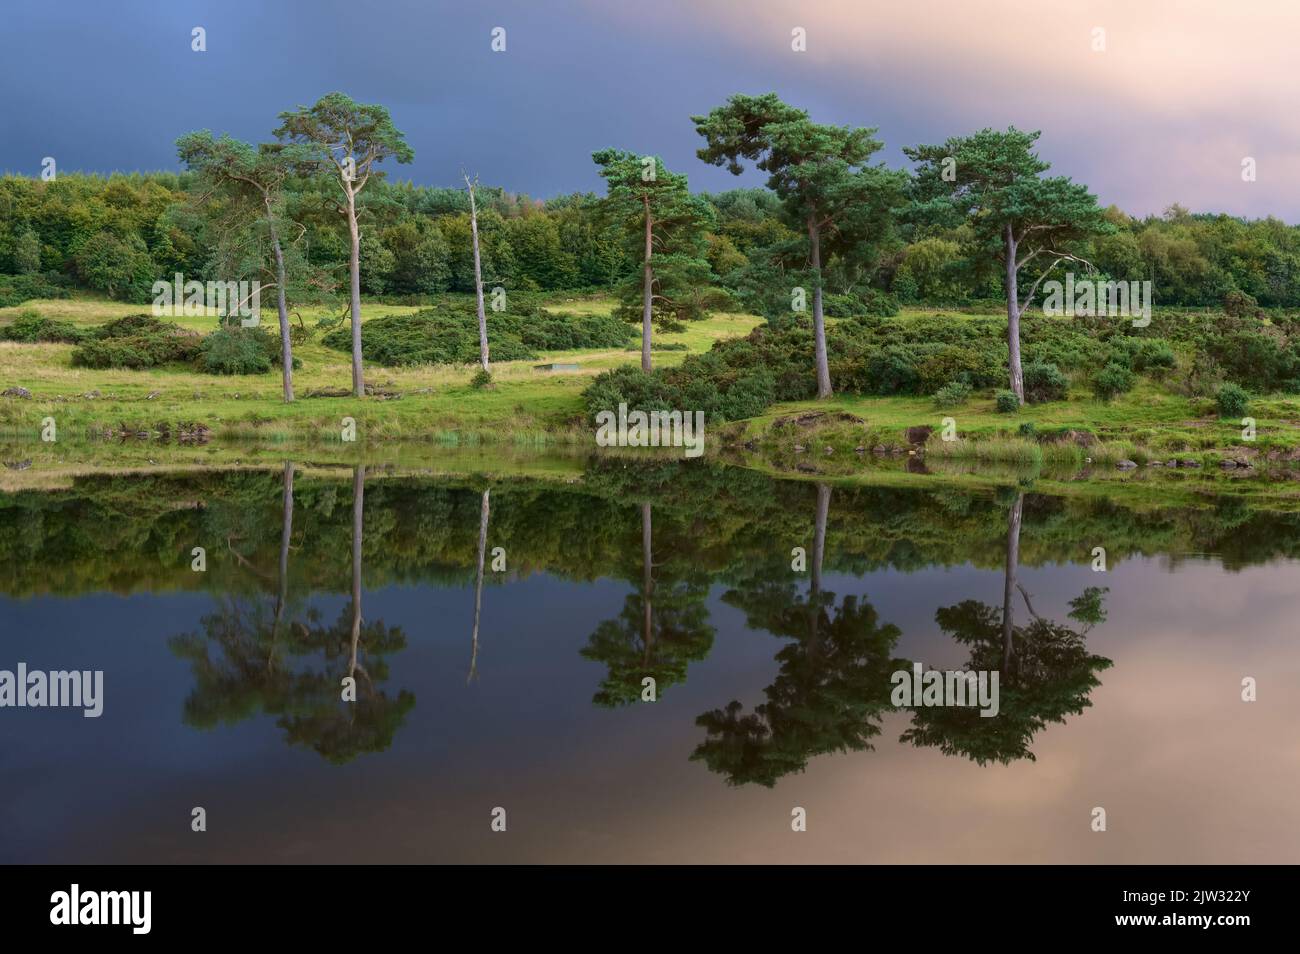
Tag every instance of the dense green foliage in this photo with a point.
(954, 357)
(237, 350)
(643, 194)
(1231, 400)
(31, 328)
(136, 341)
(953, 394)
(1112, 381)
(950, 358)
(448, 334)
(143, 341)
(120, 233)
(1045, 382)
(16, 289)
(1006, 402)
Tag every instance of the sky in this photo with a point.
(1163, 105)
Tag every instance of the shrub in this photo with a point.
(239, 350)
(129, 325)
(1142, 354)
(750, 395)
(878, 303)
(700, 383)
(113, 353)
(136, 341)
(631, 386)
(953, 394)
(841, 306)
(919, 355)
(1007, 402)
(868, 302)
(942, 363)
(448, 334)
(482, 379)
(1044, 382)
(1113, 380)
(1028, 430)
(1202, 379)
(893, 370)
(1232, 400)
(30, 327)
(656, 346)
(1253, 356)
(300, 334)
(16, 289)
(1237, 304)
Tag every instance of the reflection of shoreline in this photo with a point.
(722, 517)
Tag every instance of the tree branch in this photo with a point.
(1033, 289)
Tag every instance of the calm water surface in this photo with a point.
(521, 687)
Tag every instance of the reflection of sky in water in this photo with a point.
(1185, 770)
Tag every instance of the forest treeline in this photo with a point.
(118, 234)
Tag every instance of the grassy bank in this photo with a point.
(1144, 425)
(530, 409)
(55, 467)
(524, 405)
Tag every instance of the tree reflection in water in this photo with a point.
(243, 664)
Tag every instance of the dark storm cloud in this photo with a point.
(109, 86)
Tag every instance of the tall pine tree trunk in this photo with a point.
(1013, 317)
(647, 289)
(819, 319)
(478, 281)
(286, 350)
(354, 272)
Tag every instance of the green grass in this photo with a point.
(437, 403)
(38, 466)
(529, 409)
(1149, 420)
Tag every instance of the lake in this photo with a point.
(651, 662)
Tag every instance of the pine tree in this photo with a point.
(668, 228)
